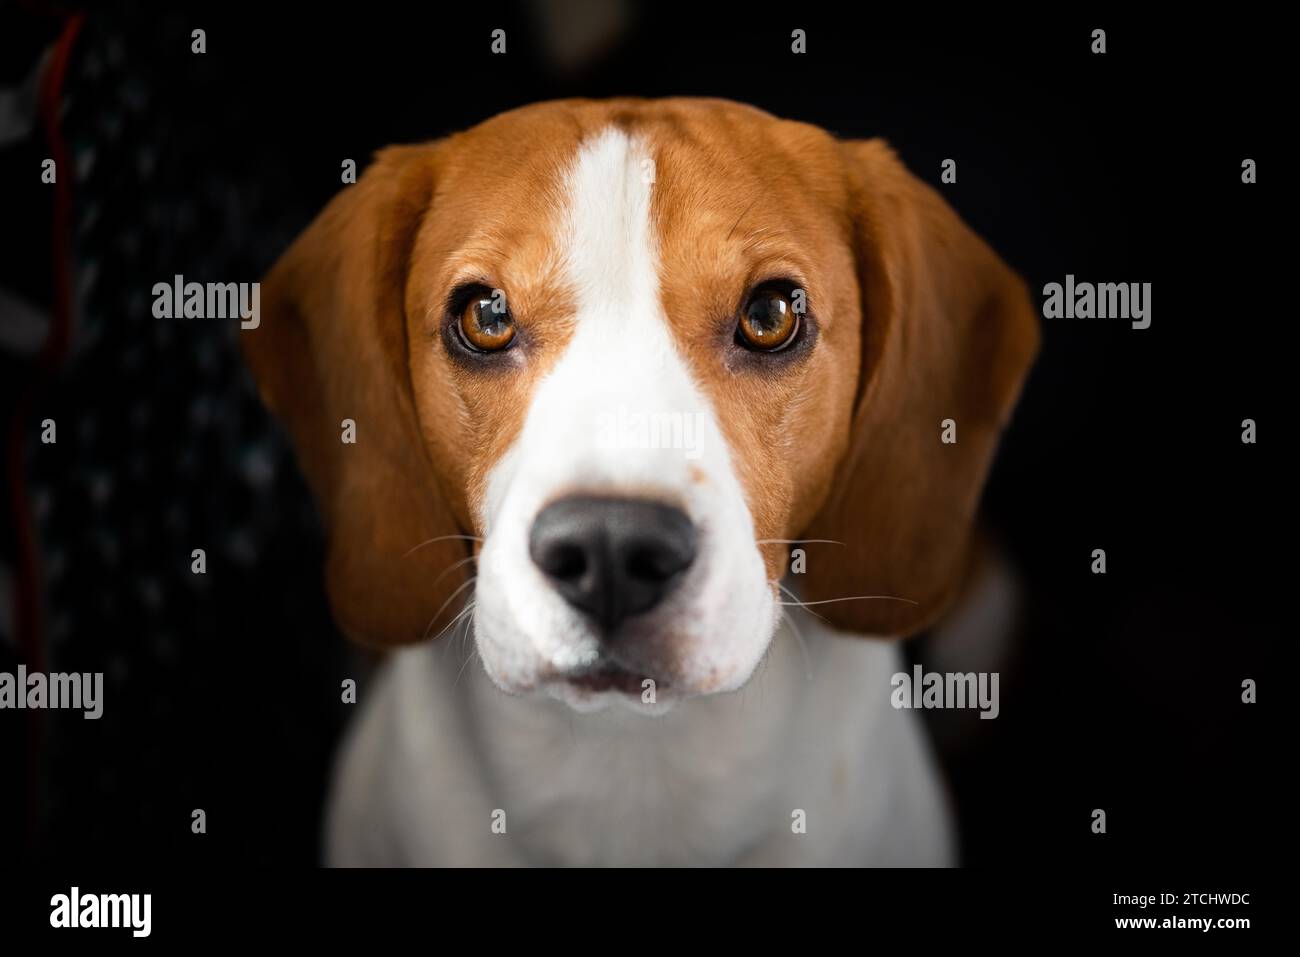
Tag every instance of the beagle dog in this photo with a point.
(648, 404)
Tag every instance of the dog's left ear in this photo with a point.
(948, 334)
(330, 359)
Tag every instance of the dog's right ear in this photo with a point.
(330, 358)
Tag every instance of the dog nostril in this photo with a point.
(656, 561)
(564, 561)
(612, 558)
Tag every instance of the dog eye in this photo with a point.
(768, 322)
(486, 324)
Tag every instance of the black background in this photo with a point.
(223, 692)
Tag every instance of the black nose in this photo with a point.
(612, 557)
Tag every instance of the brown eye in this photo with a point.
(768, 322)
(486, 324)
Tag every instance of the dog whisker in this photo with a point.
(452, 567)
(462, 635)
(803, 646)
(442, 538)
(827, 601)
(450, 598)
(742, 216)
(796, 603)
(466, 633)
(468, 658)
(468, 609)
(797, 541)
(460, 616)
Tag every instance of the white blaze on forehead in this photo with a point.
(620, 407)
(608, 248)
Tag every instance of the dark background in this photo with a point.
(222, 690)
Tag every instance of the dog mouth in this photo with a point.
(609, 677)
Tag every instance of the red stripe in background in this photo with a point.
(27, 606)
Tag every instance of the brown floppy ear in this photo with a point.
(948, 332)
(331, 345)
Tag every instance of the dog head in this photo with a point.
(617, 357)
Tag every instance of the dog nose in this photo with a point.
(612, 557)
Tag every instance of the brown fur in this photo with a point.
(917, 319)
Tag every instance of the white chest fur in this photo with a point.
(441, 768)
